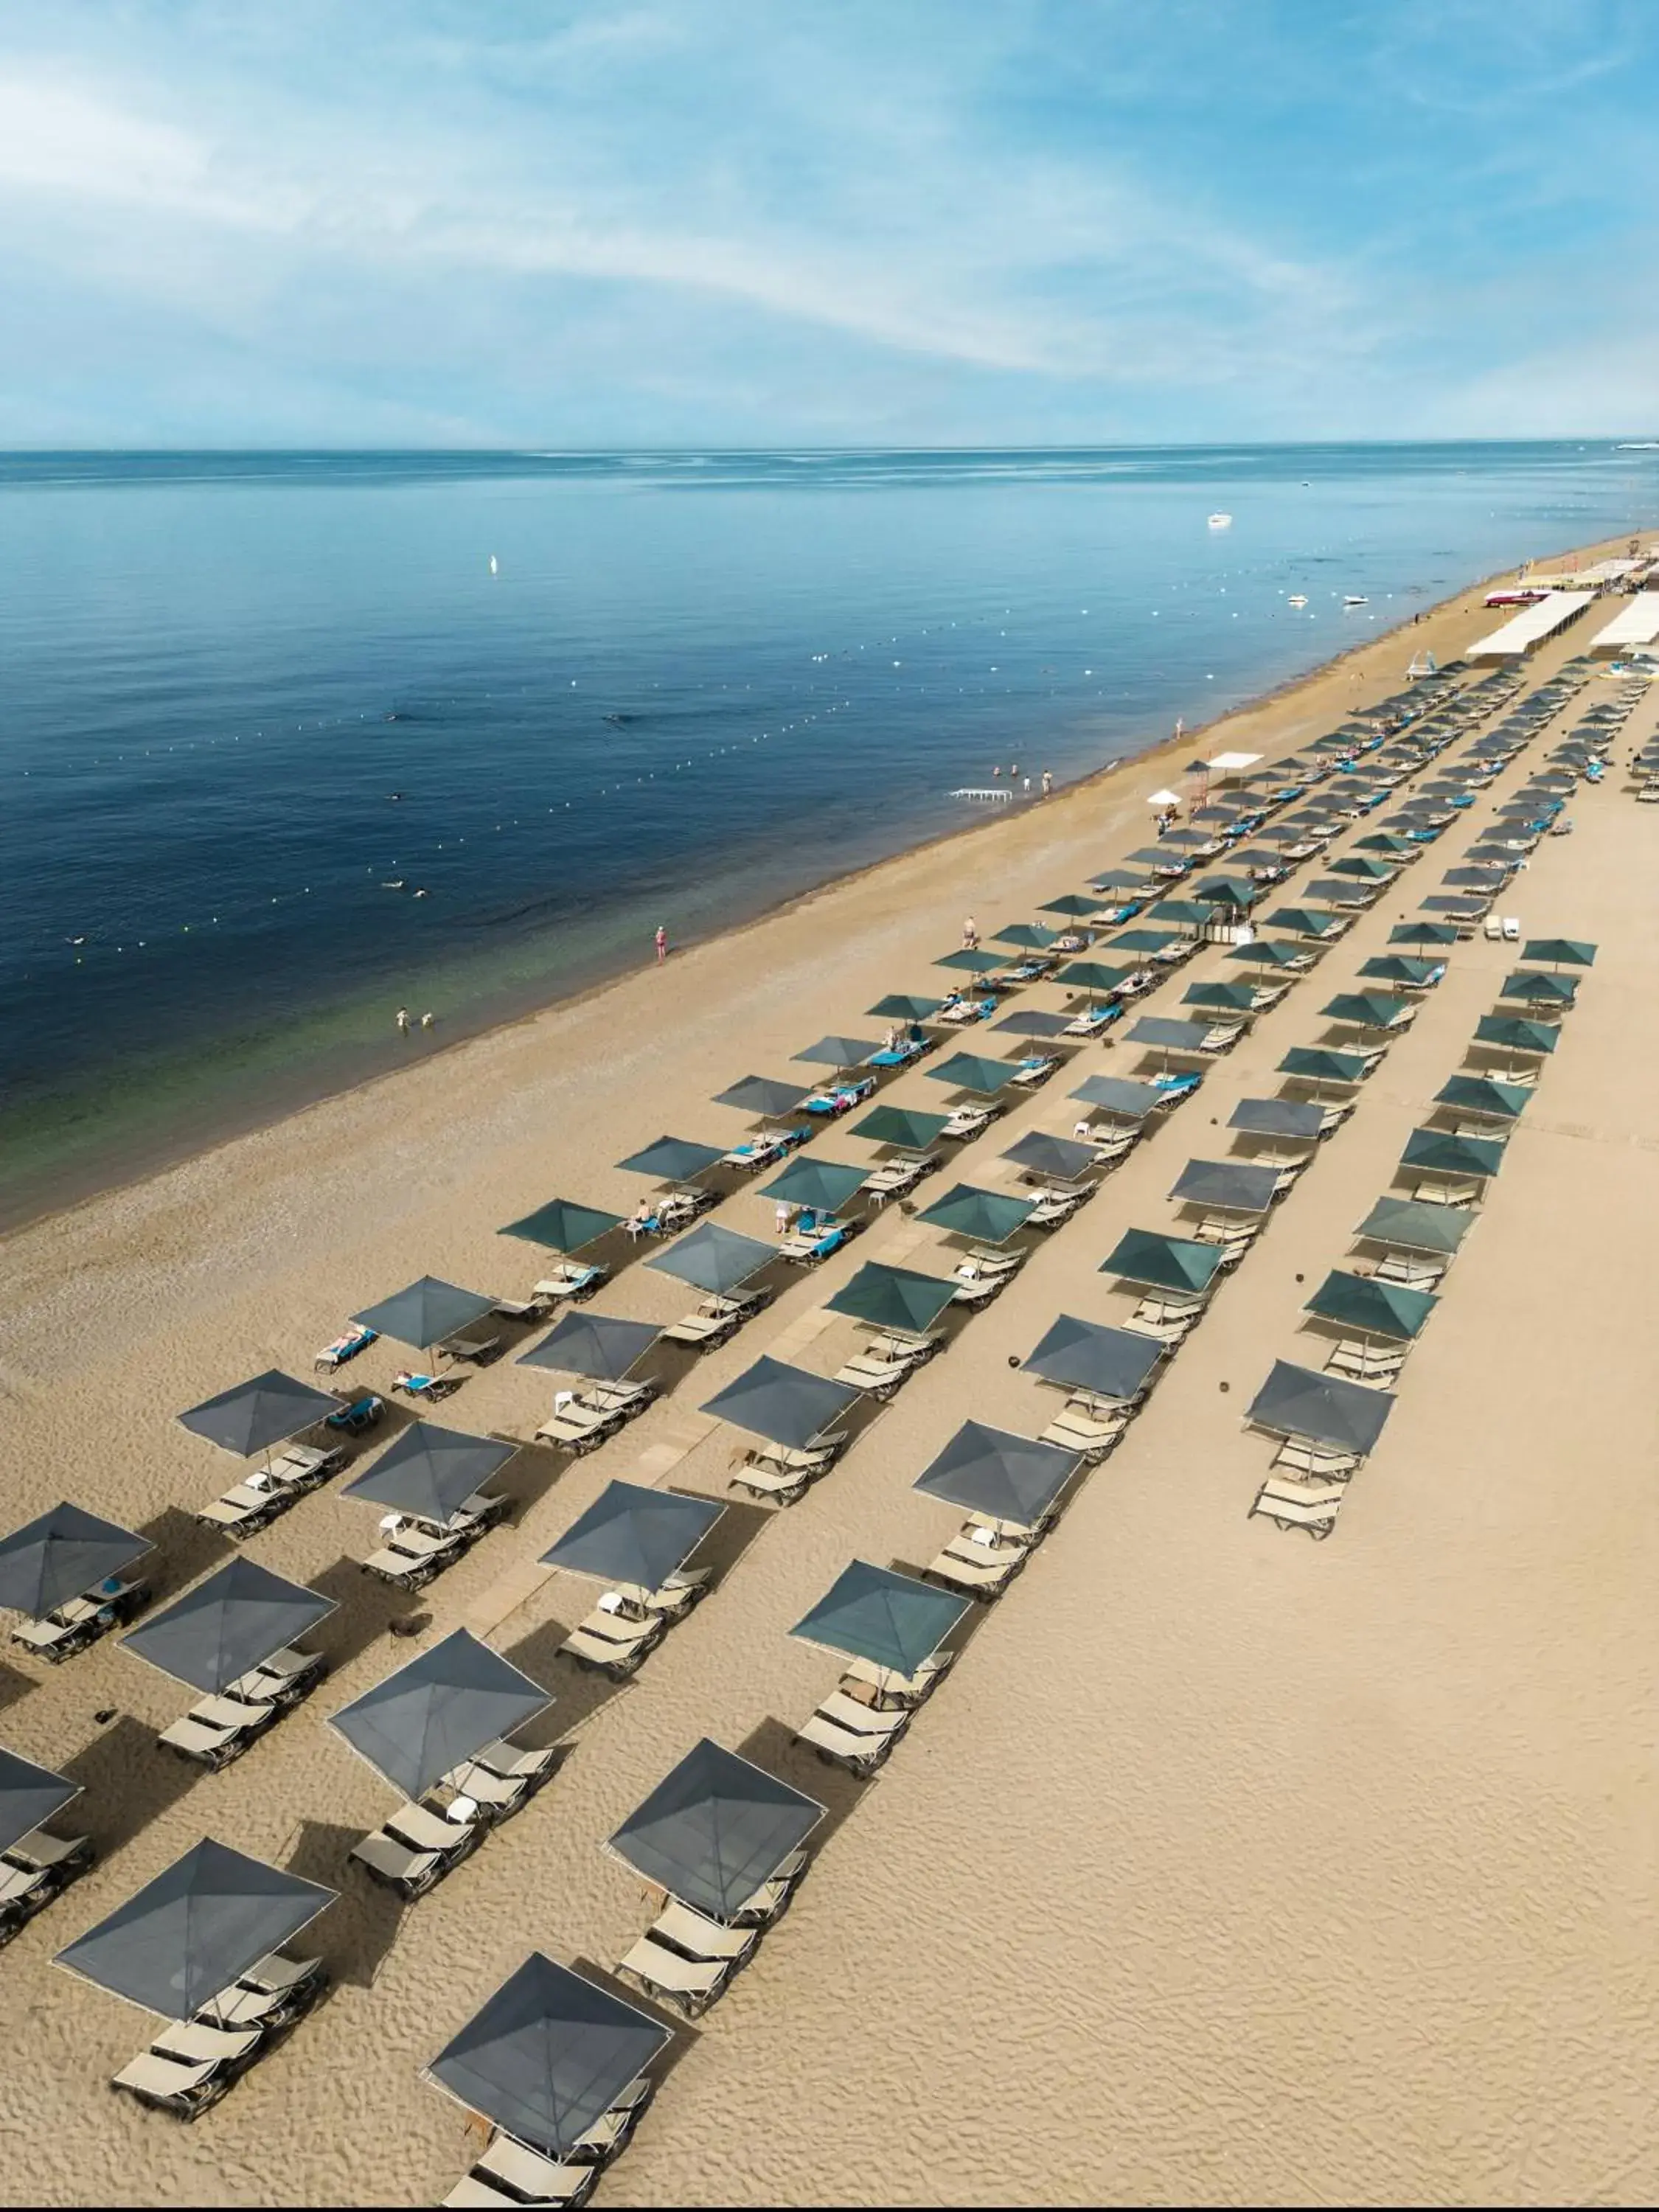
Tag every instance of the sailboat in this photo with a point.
(1221, 522)
(495, 566)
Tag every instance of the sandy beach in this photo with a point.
(1227, 1868)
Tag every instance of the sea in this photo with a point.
(291, 741)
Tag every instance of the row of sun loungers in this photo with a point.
(191, 2063)
(687, 1958)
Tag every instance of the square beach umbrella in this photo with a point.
(599, 1345)
(1009, 1480)
(429, 1472)
(633, 1535)
(254, 1415)
(63, 1554)
(562, 1226)
(226, 1626)
(891, 1620)
(787, 1405)
(425, 1313)
(715, 1831)
(422, 1723)
(987, 1217)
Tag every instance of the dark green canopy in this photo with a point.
(1479, 1094)
(1031, 1021)
(1304, 921)
(1169, 1036)
(712, 1258)
(1384, 841)
(966, 1071)
(1264, 952)
(712, 1832)
(1518, 1035)
(195, 1929)
(1145, 941)
(824, 1185)
(786, 1404)
(430, 1716)
(548, 2056)
(562, 1226)
(1074, 906)
(1061, 1156)
(968, 962)
(1371, 871)
(1092, 975)
(1109, 1362)
(904, 1006)
(1232, 998)
(228, 1624)
(891, 1619)
(1188, 913)
(1277, 1117)
(900, 1126)
(989, 1217)
(1235, 1186)
(1396, 968)
(1423, 934)
(1005, 1477)
(267, 1411)
(1342, 890)
(1226, 890)
(30, 1795)
(1560, 951)
(1112, 880)
(1115, 1094)
(838, 1052)
(1317, 1064)
(62, 1554)
(1145, 1257)
(1324, 1409)
(1440, 1152)
(894, 1297)
(430, 1471)
(762, 1095)
(1030, 936)
(1373, 1308)
(635, 1536)
(1540, 989)
(673, 1160)
(1365, 1010)
(426, 1312)
(599, 1345)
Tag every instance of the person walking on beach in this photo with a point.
(970, 935)
(403, 1021)
(1047, 781)
(662, 943)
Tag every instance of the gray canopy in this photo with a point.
(1277, 1117)
(29, 1796)
(761, 1095)
(1116, 1095)
(222, 1630)
(426, 1312)
(562, 1226)
(1295, 1401)
(838, 1052)
(714, 1259)
(633, 1535)
(429, 1472)
(902, 1126)
(1481, 1095)
(784, 1405)
(63, 1554)
(191, 1932)
(1169, 1036)
(597, 1345)
(989, 1217)
(1234, 1185)
(968, 1071)
(673, 1159)
(1147, 1257)
(548, 2056)
(1440, 1152)
(1109, 1362)
(1052, 1156)
(431, 1716)
(891, 1619)
(714, 1830)
(269, 1410)
(1031, 1021)
(1373, 1308)
(894, 1297)
(824, 1185)
(1006, 1477)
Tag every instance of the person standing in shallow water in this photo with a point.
(662, 942)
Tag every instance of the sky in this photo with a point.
(579, 224)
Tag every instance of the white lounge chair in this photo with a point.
(692, 1984)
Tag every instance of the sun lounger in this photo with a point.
(1297, 1505)
(533, 2179)
(1080, 1427)
(173, 2085)
(478, 1351)
(1295, 1457)
(413, 1558)
(1417, 1275)
(23, 1892)
(198, 2042)
(400, 1866)
(426, 1386)
(1056, 1207)
(1447, 1193)
(70, 1627)
(899, 1177)
(714, 1320)
(41, 1852)
(699, 1937)
(1363, 1363)
(692, 1984)
(965, 1122)
(243, 1509)
(764, 1903)
(609, 2135)
(880, 1377)
(776, 1472)
(1036, 1070)
(212, 1743)
(860, 1749)
(612, 1645)
(981, 1577)
(579, 1427)
(494, 1798)
(807, 1247)
(900, 1689)
(568, 1280)
(512, 1764)
(344, 1348)
(1333, 1117)
(271, 1995)
(283, 1679)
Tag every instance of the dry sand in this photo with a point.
(1227, 1868)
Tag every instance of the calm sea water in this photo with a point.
(281, 750)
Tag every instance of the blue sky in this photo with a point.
(825, 221)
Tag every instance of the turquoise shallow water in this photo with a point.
(246, 695)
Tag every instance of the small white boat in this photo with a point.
(1296, 599)
(1355, 600)
(495, 566)
(1221, 522)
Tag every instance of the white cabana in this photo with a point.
(1528, 629)
(1636, 622)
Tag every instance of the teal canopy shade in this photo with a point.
(1006, 1478)
(900, 1126)
(1074, 905)
(1324, 1409)
(673, 1160)
(63, 1554)
(1092, 975)
(1374, 1309)
(548, 2056)
(1107, 1362)
(1115, 1094)
(1541, 989)
(1516, 1034)
(1559, 952)
(1395, 967)
(1277, 1117)
(195, 1929)
(1365, 1010)
(1438, 1151)
(838, 1052)
(1226, 890)
(430, 1716)
(1411, 1226)
(430, 1471)
(1031, 1021)
(892, 1621)
(1230, 998)
(966, 1071)
(894, 1297)
(426, 1312)
(904, 1006)
(1264, 952)
(599, 1345)
(1145, 941)
(714, 1259)
(1153, 1261)
(562, 1226)
(1371, 871)
(969, 961)
(786, 1404)
(761, 1095)
(1234, 1186)
(226, 1626)
(1188, 913)
(1306, 921)
(266, 1410)
(1169, 1036)
(824, 1185)
(1479, 1094)
(1030, 936)
(1114, 879)
(633, 1535)
(712, 1832)
(1061, 1156)
(988, 1217)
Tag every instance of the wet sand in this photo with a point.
(1226, 1867)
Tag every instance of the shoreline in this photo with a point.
(123, 1167)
